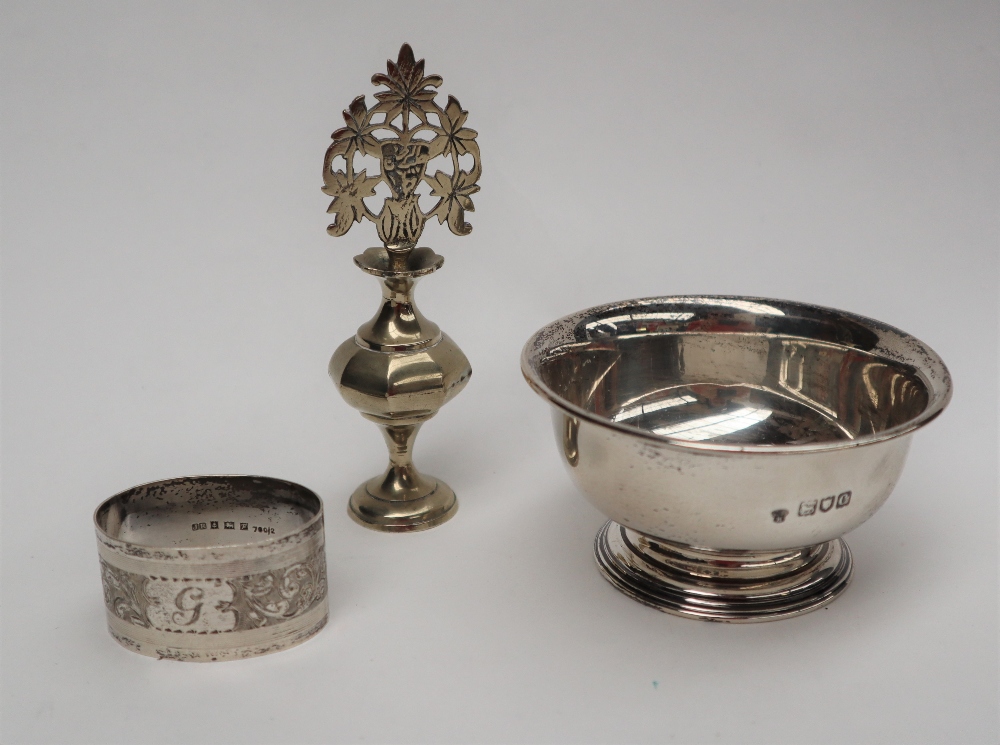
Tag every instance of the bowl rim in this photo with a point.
(930, 367)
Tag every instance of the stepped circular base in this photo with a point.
(402, 516)
(728, 586)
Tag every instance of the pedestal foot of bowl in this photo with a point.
(716, 585)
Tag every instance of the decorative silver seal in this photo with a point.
(208, 568)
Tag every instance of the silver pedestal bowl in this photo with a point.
(732, 441)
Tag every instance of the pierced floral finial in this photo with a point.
(404, 153)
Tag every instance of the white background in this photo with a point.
(171, 298)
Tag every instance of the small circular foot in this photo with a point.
(729, 586)
(402, 516)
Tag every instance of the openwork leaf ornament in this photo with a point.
(406, 130)
(357, 135)
(454, 193)
(349, 191)
(453, 136)
(408, 88)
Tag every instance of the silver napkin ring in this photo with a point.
(206, 568)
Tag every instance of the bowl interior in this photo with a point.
(734, 376)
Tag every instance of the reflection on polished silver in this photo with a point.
(732, 441)
(715, 585)
(400, 369)
(207, 568)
